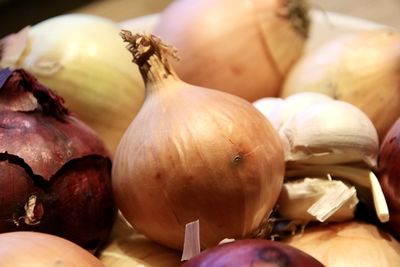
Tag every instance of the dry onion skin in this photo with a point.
(82, 58)
(21, 249)
(192, 154)
(349, 244)
(246, 49)
(361, 68)
(55, 171)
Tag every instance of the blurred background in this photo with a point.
(15, 14)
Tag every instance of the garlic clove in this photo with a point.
(359, 177)
(299, 196)
(273, 109)
(331, 132)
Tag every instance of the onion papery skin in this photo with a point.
(349, 244)
(389, 175)
(194, 153)
(82, 58)
(246, 49)
(361, 68)
(21, 249)
(57, 165)
(252, 252)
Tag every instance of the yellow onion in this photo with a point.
(349, 244)
(243, 47)
(362, 68)
(130, 249)
(82, 58)
(193, 153)
(21, 249)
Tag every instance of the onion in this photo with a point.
(389, 175)
(349, 244)
(246, 49)
(21, 249)
(82, 58)
(130, 249)
(192, 154)
(362, 68)
(256, 252)
(55, 172)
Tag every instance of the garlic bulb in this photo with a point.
(361, 68)
(82, 58)
(319, 134)
(317, 129)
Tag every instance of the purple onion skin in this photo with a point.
(389, 176)
(55, 172)
(251, 253)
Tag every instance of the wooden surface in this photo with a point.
(382, 11)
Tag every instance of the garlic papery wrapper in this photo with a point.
(299, 198)
(316, 129)
(82, 58)
(359, 177)
(193, 153)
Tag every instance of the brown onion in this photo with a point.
(389, 175)
(22, 249)
(350, 244)
(55, 172)
(193, 154)
(243, 47)
(253, 252)
(130, 249)
(361, 68)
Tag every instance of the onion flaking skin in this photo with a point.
(55, 172)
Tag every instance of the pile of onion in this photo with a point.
(242, 47)
(193, 153)
(22, 249)
(361, 68)
(389, 175)
(82, 58)
(349, 244)
(55, 171)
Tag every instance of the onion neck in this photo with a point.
(297, 12)
(150, 54)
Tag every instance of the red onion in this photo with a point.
(243, 47)
(389, 175)
(23, 249)
(252, 252)
(54, 170)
